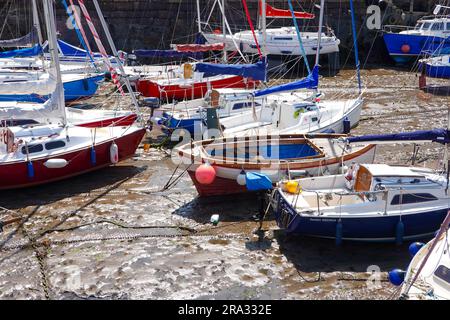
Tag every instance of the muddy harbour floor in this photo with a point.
(114, 234)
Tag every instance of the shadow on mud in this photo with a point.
(322, 255)
(107, 178)
(232, 208)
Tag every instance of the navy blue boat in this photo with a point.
(430, 35)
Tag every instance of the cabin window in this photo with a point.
(55, 145)
(418, 26)
(242, 105)
(409, 198)
(438, 26)
(443, 273)
(448, 26)
(426, 26)
(282, 38)
(33, 148)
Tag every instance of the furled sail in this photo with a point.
(26, 41)
(22, 53)
(142, 53)
(435, 135)
(310, 82)
(272, 12)
(256, 71)
(199, 47)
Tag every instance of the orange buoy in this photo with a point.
(405, 48)
(205, 174)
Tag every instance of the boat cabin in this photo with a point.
(374, 177)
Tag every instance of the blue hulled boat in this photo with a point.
(76, 86)
(437, 67)
(371, 202)
(430, 35)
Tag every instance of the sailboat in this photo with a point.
(428, 274)
(370, 202)
(279, 41)
(54, 149)
(279, 115)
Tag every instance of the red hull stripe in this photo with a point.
(15, 175)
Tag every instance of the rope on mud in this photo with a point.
(319, 277)
(172, 182)
(121, 225)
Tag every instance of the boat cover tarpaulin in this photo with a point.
(142, 53)
(26, 41)
(256, 71)
(29, 52)
(257, 181)
(272, 12)
(435, 135)
(199, 47)
(310, 82)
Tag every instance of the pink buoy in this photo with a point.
(205, 174)
(405, 48)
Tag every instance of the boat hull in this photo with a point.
(438, 71)
(73, 90)
(225, 182)
(378, 228)
(123, 121)
(149, 88)
(15, 175)
(404, 48)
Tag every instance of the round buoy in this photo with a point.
(205, 174)
(406, 48)
(293, 187)
(114, 153)
(55, 163)
(396, 277)
(241, 178)
(415, 247)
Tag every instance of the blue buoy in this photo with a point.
(30, 170)
(396, 277)
(415, 247)
(347, 125)
(93, 157)
(339, 233)
(399, 232)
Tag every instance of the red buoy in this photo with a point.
(205, 174)
(406, 48)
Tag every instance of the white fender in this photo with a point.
(56, 163)
(114, 153)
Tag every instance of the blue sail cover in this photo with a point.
(435, 135)
(69, 50)
(257, 181)
(141, 53)
(310, 82)
(256, 71)
(30, 52)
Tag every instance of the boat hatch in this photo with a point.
(442, 275)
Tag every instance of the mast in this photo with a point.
(319, 37)
(355, 45)
(264, 28)
(36, 22)
(224, 28)
(54, 71)
(199, 23)
(116, 55)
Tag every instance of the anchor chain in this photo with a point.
(40, 256)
